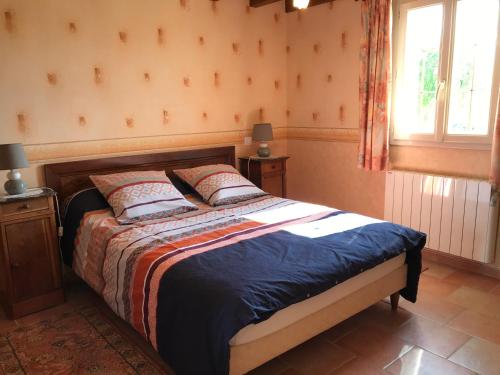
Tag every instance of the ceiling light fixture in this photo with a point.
(301, 4)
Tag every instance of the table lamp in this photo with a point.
(12, 158)
(263, 133)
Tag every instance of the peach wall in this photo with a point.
(83, 78)
(323, 71)
(87, 78)
(325, 172)
(442, 161)
(322, 58)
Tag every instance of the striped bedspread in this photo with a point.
(190, 282)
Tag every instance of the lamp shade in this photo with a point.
(12, 156)
(262, 132)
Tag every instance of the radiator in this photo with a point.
(458, 215)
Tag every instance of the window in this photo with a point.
(446, 71)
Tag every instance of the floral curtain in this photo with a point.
(495, 153)
(375, 84)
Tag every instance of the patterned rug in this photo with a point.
(77, 342)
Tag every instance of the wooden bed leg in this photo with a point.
(394, 301)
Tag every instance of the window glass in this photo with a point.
(416, 110)
(472, 68)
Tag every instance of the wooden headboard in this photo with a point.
(70, 177)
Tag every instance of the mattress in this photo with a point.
(298, 311)
(197, 283)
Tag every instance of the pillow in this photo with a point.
(141, 195)
(219, 184)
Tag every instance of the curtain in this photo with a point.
(375, 84)
(495, 152)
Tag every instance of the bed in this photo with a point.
(231, 286)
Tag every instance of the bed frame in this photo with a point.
(69, 177)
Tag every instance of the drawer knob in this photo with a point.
(25, 206)
(15, 265)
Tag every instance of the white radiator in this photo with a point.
(458, 215)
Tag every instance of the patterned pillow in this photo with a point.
(219, 184)
(141, 195)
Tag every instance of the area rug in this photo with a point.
(76, 342)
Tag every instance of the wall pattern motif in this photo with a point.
(83, 78)
(323, 44)
(322, 62)
(94, 73)
(322, 91)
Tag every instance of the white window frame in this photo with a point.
(439, 138)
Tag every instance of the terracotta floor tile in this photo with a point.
(476, 324)
(471, 298)
(274, 367)
(359, 366)
(382, 315)
(432, 336)
(491, 309)
(421, 362)
(432, 308)
(342, 329)
(480, 356)
(452, 306)
(376, 343)
(437, 270)
(434, 286)
(291, 371)
(472, 280)
(317, 356)
(483, 302)
(496, 290)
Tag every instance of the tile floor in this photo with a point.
(454, 328)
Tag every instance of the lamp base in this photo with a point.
(14, 185)
(264, 151)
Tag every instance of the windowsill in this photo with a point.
(454, 145)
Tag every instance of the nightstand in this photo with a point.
(269, 174)
(30, 266)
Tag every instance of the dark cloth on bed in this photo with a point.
(204, 300)
(82, 202)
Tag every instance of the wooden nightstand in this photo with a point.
(30, 266)
(269, 174)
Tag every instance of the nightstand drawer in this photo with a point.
(23, 207)
(272, 166)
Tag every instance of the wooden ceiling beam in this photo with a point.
(259, 3)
